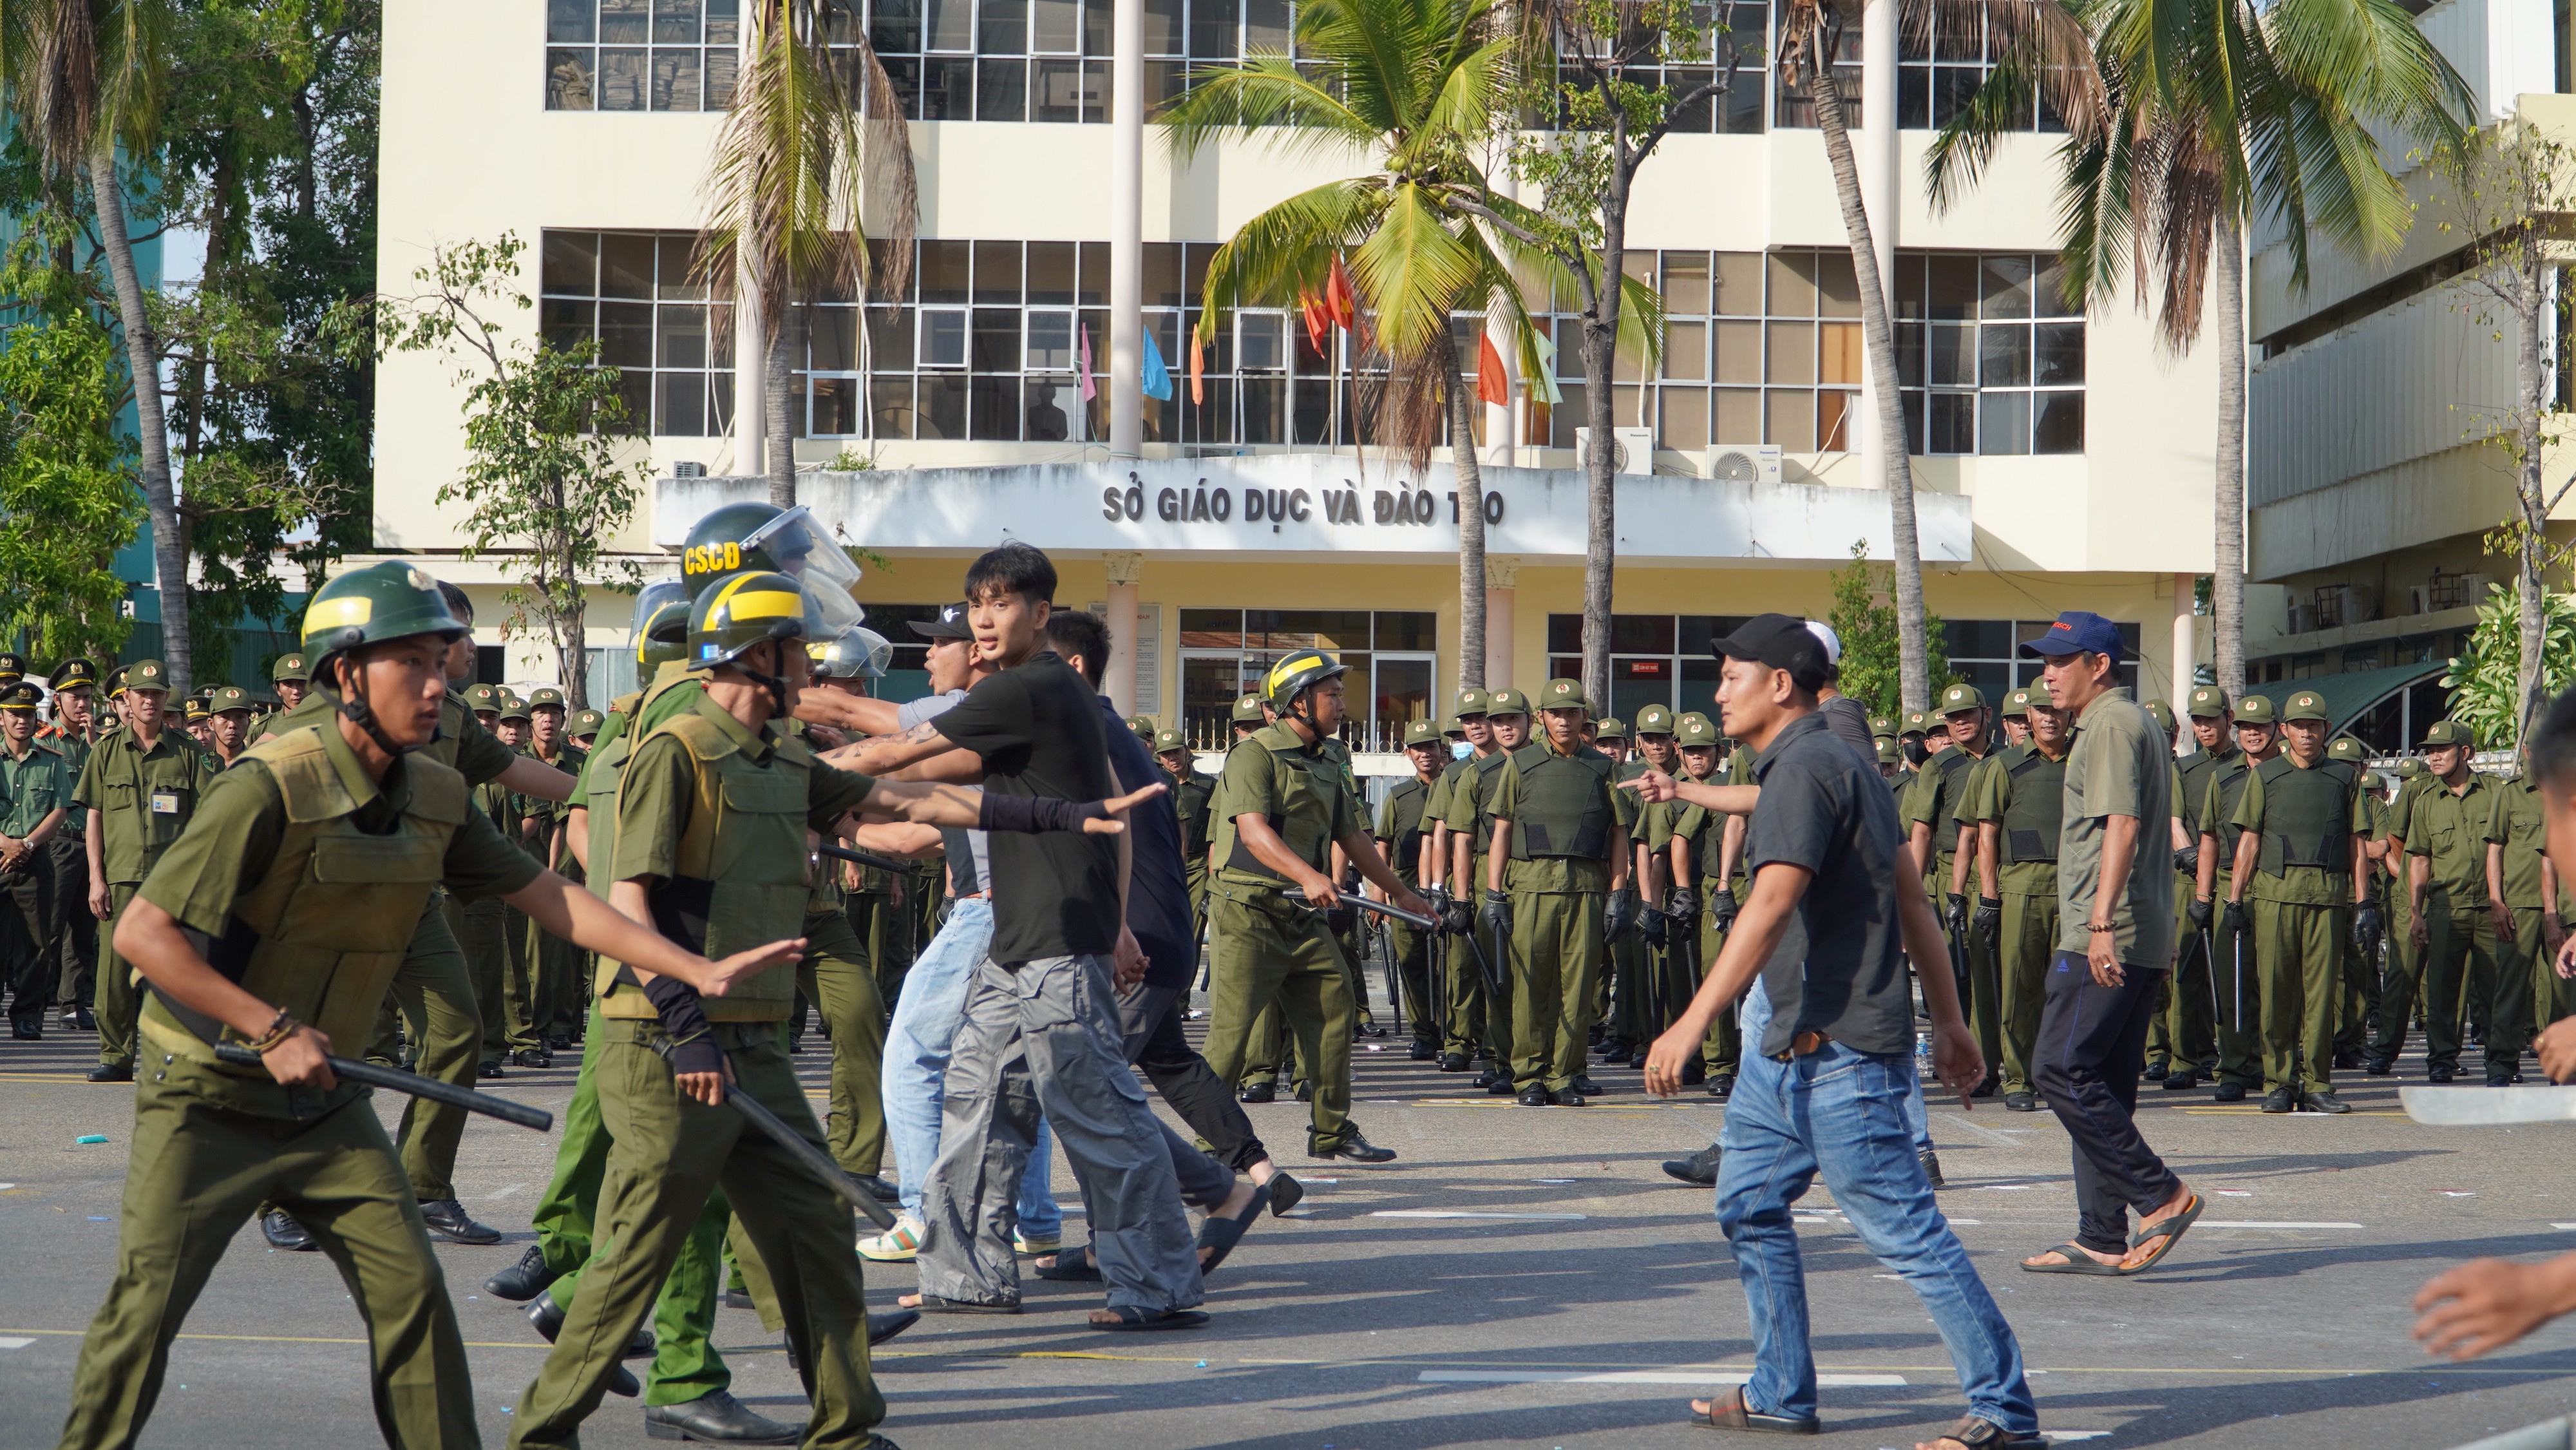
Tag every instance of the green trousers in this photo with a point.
(1721, 1052)
(1622, 973)
(478, 927)
(2240, 1046)
(884, 925)
(1412, 950)
(2028, 939)
(2360, 994)
(2180, 1036)
(686, 1365)
(667, 1153)
(1468, 1030)
(197, 1174)
(2298, 949)
(116, 998)
(836, 978)
(436, 993)
(2460, 947)
(1557, 957)
(2525, 956)
(2552, 996)
(1267, 948)
(1985, 994)
(527, 1007)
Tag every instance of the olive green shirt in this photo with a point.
(144, 798)
(1467, 805)
(1250, 787)
(1990, 797)
(1393, 823)
(1561, 875)
(462, 743)
(659, 790)
(2297, 885)
(32, 785)
(2449, 829)
(2520, 826)
(2120, 765)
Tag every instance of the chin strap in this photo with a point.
(776, 685)
(354, 709)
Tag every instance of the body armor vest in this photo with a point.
(1561, 812)
(2036, 814)
(1487, 775)
(2231, 793)
(1301, 816)
(2307, 816)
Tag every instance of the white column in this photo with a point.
(1119, 683)
(1501, 575)
(750, 382)
(1127, 229)
(2185, 643)
(1877, 157)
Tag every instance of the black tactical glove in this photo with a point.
(1653, 925)
(1683, 907)
(2367, 928)
(692, 1046)
(1455, 918)
(1958, 916)
(1342, 918)
(2233, 919)
(1721, 909)
(1990, 917)
(2198, 911)
(2187, 860)
(1619, 915)
(1496, 915)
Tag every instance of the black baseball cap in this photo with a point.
(1781, 641)
(2078, 631)
(951, 624)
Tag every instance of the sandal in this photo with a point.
(1132, 1319)
(1071, 1266)
(1284, 1194)
(1972, 1433)
(2077, 1262)
(2170, 1231)
(1221, 1233)
(1732, 1413)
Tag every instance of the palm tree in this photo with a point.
(814, 121)
(79, 78)
(1420, 86)
(2217, 113)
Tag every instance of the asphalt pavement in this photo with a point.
(1518, 1277)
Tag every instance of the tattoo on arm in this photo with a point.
(921, 734)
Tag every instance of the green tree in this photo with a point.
(67, 490)
(2487, 679)
(1866, 616)
(543, 481)
(1418, 87)
(2212, 114)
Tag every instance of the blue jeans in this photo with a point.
(1755, 1020)
(916, 1065)
(1841, 1114)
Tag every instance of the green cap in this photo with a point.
(1455, 729)
(586, 723)
(2347, 748)
(1611, 730)
(2017, 704)
(387, 600)
(1560, 694)
(20, 695)
(289, 667)
(75, 672)
(12, 666)
(1471, 702)
(1506, 702)
(1167, 741)
(196, 710)
(1916, 724)
(2409, 768)
(1422, 732)
(1655, 720)
(147, 675)
(2450, 732)
(231, 697)
(1888, 754)
(2305, 705)
(1695, 729)
(1961, 697)
(1883, 725)
(2207, 702)
(2162, 714)
(549, 697)
(1248, 710)
(514, 708)
(1144, 727)
(482, 698)
(2254, 710)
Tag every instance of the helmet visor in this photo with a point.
(800, 547)
(652, 599)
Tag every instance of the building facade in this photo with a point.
(2062, 460)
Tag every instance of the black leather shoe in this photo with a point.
(2156, 1072)
(487, 1070)
(1987, 1088)
(82, 1019)
(2021, 1103)
(1699, 1169)
(523, 1280)
(1423, 1051)
(1532, 1096)
(112, 1072)
(2181, 1082)
(533, 1057)
(1453, 1062)
(1722, 1086)
(2438, 1073)
(717, 1418)
(1584, 1084)
(1257, 1092)
(1485, 1079)
(2380, 1066)
(882, 1327)
(878, 1188)
(283, 1232)
(1356, 1149)
(1566, 1097)
(28, 1029)
(2507, 1080)
(1931, 1162)
(1694, 1072)
(2277, 1100)
(1500, 1087)
(2325, 1102)
(1616, 1050)
(548, 1317)
(1303, 1092)
(2229, 1092)
(2347, 1062)
(446, 1218)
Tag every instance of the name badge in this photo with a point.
(165, 803)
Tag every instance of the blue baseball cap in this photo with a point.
(2077, 631)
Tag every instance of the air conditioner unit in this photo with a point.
(1632, 450)
(1745, 463)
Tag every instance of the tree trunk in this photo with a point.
(780, 444)
(2227, 581)
(2532, 378)
(1470, 481)
(1600, 461)
(572, 653)
(143, 356)
(1878, 336)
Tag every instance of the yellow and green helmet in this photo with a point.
(1296, 673)
(660, 633)
(743, 613)
(387, 600)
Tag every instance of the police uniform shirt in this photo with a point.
(1557, 874)
(1251, 788)
(1403, 821)
(2519, 826)
(32, 785)
(1470, 809)
(2449, 830)
(2030, 868)
(1191, 804)
(2306, 884)
(124, 780)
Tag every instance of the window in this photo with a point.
(641, 55)
(1990, 354)
(1938, 73)
(631, 291)
(1392, 657)
(1983, 653)
(1736, 110)
(1655, 659)
(1793, 108)
(1048, 60)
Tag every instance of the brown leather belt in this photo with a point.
(1805, 1044)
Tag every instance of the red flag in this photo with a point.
(1492, 385)
(1198, 371)
(1319, 320)
(1337, 295)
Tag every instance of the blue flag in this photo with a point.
(1158, 378)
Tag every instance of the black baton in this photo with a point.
(863, 858)
(816, 1161)
(1382, 908)
(412, 1083)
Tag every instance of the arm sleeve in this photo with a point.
(85, 792)
(1461, 814)
(2499, 821)
(1386, 818)
(1505, 799)
(479, 753)
(834, 793)
(2249, 806)
(1246, 788)
(994, 717)
(652, 805)
(231, 839)
(481, 863)
(2111, 784)
(1627, 820)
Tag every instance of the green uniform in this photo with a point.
(1565, 834)
(2449, 829)
(1402, 827)
(2403, 980)
(266, 868)
(144, 798)
(1353, 938)
(1702, 833)
(2180, 1039)
(1191, 802)
(836, 978)
(76, 929)
(1986, 1002)
(552, 971)
(2024, 795)
(1267, 948)
(717, 814)
(2360, 970)
(481, 929)
(1481, 1010)
(1464, 989)
(2520, 829)
(1623, 959)
(1642, 1004)
(2300, 903)
(2235, 980)
(33, 786)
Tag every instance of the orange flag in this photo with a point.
(1337, 295)
(1198, 371)
(1492, 385)
(1319, 320)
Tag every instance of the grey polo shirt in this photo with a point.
(1819, 810)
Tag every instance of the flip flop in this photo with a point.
(1071, 1266)
(2170, 1231)
(1730, 1412)
(1284, 1193)
(933, 1304)
(1221, 1233)
(1132, 1320)
(2077, 1262)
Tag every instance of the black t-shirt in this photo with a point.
(1038, 729)
(1158, 895)
(1819, 810)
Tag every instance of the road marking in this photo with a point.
(504, 1191)
(1711, 1377)
(2561, 1227)
(1462, 1213)
(2271, 1223)
(15, 1343)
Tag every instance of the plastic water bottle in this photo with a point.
(1923, 1056)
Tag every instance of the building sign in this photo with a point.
(1304, 504)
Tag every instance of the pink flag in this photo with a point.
(1083, 337)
